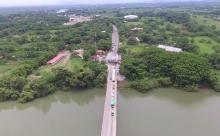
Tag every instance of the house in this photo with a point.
(79, 52)
(100, 52)
(131, 17)
(137, 29)
(169, 48)
(57, 58)
(73, 19)
(62, 11)
(137, 39)
(99, 56)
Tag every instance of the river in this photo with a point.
(162, 112)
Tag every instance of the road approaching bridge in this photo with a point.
(113, 60)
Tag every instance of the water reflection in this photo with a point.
(168, 112)
(180, 97)
(79, 97)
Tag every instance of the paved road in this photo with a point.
(109, 123)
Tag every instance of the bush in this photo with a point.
(164, 81)
(17, 83)
(26, 96)
(132, 41)
(191, 88)
(216, 87)
(145, 85)
(6, 94)
(42, 88)
(214, 81)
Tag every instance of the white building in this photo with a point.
(62, 11)
(137, 29)
(170, 48)
(131, 17)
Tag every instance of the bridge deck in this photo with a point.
(109, 124)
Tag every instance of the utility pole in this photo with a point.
(95, 41)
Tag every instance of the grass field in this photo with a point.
(135, 49)
(75, 63)
(206, 47)
(208, 21)
(134, 23)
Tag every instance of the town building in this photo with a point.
(169, 48)
(79, 52)
(62, 11)
(131, 17)
(73, 19)
(57, 58)
(137, 29)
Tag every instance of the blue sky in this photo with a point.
(54, 2)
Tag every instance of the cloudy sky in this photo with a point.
(53, 2)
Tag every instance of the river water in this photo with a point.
(162, 112)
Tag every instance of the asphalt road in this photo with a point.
(109, 124)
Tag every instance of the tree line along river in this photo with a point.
(162, 112)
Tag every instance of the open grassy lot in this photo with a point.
(208, 21)
(135, 49)
(75, 63)
(205, 44)
(134, 23)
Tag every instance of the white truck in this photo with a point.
(113, 75)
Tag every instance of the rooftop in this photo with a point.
(170, 48)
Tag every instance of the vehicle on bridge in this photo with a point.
(113, 94)
(113, 113)
(113, 75)
(113, 102)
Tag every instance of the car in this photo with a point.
(113, 113)
(113, 102)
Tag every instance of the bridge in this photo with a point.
(109, 124)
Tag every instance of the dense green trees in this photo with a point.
(104, 45)
(214, 60)
(183, 69)
(146, 84)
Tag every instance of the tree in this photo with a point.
(214, 60)
(104, 45)
(132, 41)
(189, 70)
(17, 83)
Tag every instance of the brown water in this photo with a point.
(163, 112)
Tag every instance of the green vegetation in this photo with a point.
(206, 45)
(29, 39)
(156, 68)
